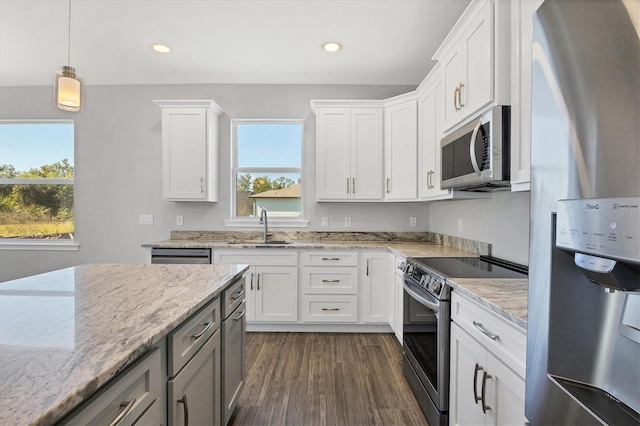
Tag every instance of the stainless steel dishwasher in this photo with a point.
(180, 255)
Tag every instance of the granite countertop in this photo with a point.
(65, 333)
(506, 297)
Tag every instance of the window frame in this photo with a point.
(276, 222)
(35, 243)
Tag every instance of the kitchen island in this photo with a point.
(66, 333)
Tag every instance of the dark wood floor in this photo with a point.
(325, 379)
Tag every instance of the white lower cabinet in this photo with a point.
(272, 282)
(194, 393)
(483, 390)
(396, 295)
(233, 348)
(329, 284)
(374, 287)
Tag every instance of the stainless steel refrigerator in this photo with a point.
(583, 338)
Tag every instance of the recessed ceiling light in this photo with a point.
(332, 46)
(161, 48)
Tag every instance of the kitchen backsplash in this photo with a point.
(475, 247)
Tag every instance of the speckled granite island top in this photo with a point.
(65, 333)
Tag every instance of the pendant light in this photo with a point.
(68, 86)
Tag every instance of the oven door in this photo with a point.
(426, 341)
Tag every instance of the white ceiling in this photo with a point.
(224, 41)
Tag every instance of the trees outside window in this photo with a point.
(36, 180)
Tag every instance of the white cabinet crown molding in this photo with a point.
(188, 103)
(345, 103)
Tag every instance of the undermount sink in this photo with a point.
(262, 243)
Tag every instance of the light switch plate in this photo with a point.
(325, 221)
(347, 221)
(459, 225)
(179, 220)
(146, 219)
(413, 221)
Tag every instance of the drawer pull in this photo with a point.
(330, 309)
(207, 326)
(238, 295)
(127, 406)
(183, 400)
(239, 316)
(476, 398)
(485, 331)
(330, 281)
(330, 258)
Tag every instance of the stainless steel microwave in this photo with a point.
(475, 157)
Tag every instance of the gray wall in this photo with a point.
(502, 220)
(118, 167)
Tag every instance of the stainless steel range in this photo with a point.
(427, 323)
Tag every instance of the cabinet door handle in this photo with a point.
(258, 285)
(330, 309)
(476, 398)
(202, 185)
(353, 185)
(485, 331)
(485, 407)
(367, 267)
(460, 96)
(347, 185)
(431, 172)
(330, 281)
(330, 258)
(183, 400)
(127, 406)
(251, 282)
(207, 326)
(388, 183)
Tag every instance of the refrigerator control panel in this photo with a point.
(608, 227)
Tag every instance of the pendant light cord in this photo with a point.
(69, 38)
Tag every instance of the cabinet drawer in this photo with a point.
(510, 343)
(129, 395)
(233, 297)
(256, 257)
(332, 258)
(327, 280)
(185, 340)
(329, 308)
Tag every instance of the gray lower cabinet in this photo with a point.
(194, 393)
(130, 398)
(233, 348)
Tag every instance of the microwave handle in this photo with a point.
(472, 148)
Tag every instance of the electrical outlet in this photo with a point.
(146, 219)
(413, 221)
(325, 221)
(347, 221)
(179, 220)
(459, 225)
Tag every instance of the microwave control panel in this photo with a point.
(608, 227)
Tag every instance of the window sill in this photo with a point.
(272, 223)
(45, 245)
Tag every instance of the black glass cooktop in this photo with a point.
(472, 267)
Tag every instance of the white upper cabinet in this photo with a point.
(401, 149)
(430, 116)
(522, 37)
(475, 61)
(189, 150)
(348, 151)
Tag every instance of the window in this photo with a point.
(36, 180)
(267, 169)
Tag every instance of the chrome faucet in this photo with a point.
(263, 221)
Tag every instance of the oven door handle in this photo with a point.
(433, 305)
